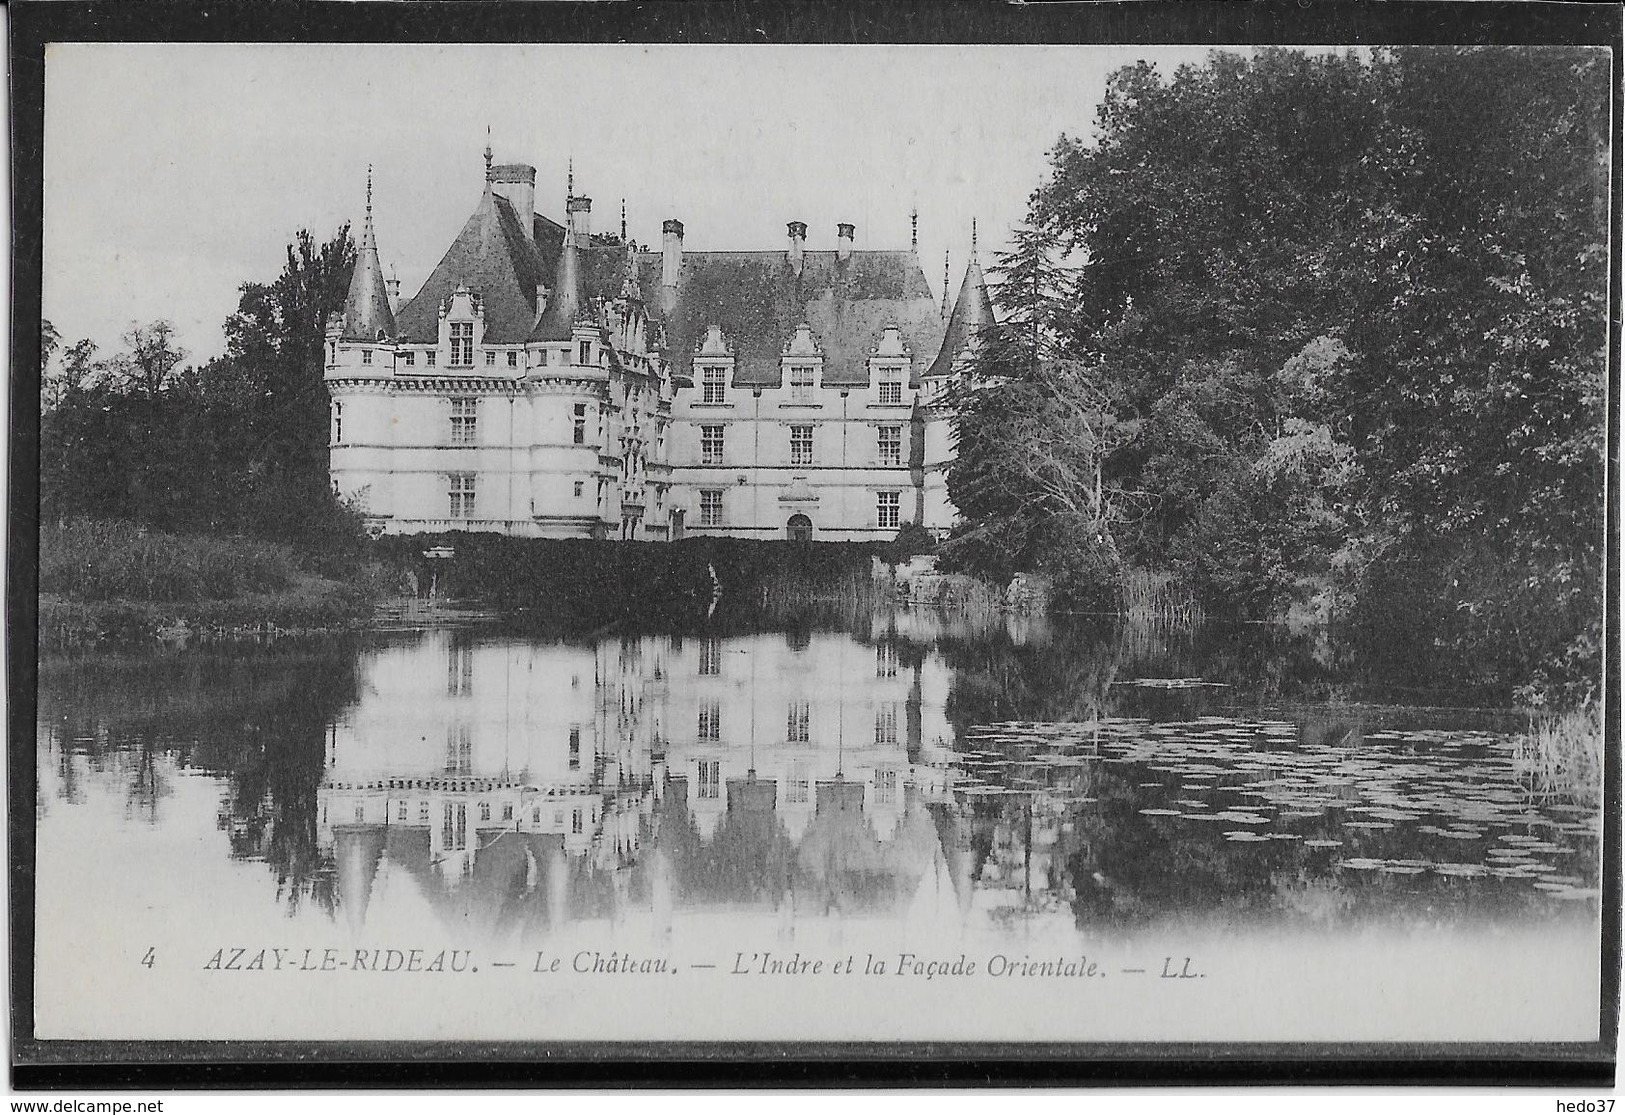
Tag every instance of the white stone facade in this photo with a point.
(549, 383)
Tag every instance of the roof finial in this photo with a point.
(914, 228)
(973, 237)
(945, 281)
(570, 179)
(623, 220)
(488, 152)
(369, 191)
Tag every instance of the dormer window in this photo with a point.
(366, 356)
(490, 359)
(411, 359)
(513, 360)
(584, 353)
(462, 344)
(431, 356)
(891, 385)
(801, 383)
(714, 383)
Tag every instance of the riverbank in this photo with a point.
(313, 605)
(107, 581)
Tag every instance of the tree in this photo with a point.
(77, 370)
(1358, 309)
(152, 358)
(1036, 432)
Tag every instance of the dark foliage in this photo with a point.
(236, 445)
(1355, 311)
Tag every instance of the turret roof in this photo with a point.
(973, 310)
(367, 316)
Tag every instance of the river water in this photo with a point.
(894, 827)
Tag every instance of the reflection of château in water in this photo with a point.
(523, 786)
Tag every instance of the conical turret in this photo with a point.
(367, 315)
(564, 305)
(973, 310)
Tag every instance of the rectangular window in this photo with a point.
(710, 445)
(891, 445)
(801, 383)
(711, 507)
(464, 413)
(507, 811)
(886, 726)
(581, 424)
(400, 811)
(801, 445)
(885, 660)
(575, 821)
(710, 778)
(366, 356)
(885, 785)
(584, 353)
(431, 357)
(799, 729)
(411, 359)
(462, 344)
(887, 507)
(796, 784)
(710, 658)
(713, 378)
(575, 747)
(513, 360)
(485, 811)
(578, 487)
(462, 495)
(710, 722)
(558, 819)
(891, 387)
(459, 748)
(338, 422)
(423, 812)
(490, 359)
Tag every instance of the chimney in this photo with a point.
(517, 183)
(671, 252)
(798, 241)
(843, 241)
(393, 286)
(578, 213)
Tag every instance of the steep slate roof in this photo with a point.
(759, 301)
(754, 296)
(582, 275)
(492, 258)
(366, 310)
(972, 311)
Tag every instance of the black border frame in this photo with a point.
(44, 1064)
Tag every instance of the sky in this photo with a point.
(174, 172)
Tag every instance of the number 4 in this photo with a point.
(146, 961)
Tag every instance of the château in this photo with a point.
(550, 381)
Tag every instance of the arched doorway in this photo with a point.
(799, 528)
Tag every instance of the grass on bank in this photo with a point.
(90, 560)
(108, 579)
(1562, 753)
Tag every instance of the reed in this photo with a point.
(1158, 596)
(93, 560)
(1562, 754)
